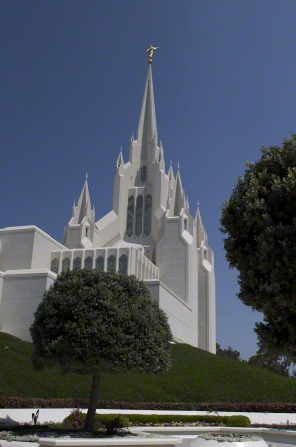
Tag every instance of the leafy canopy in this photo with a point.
(260, 222)
(91, 319)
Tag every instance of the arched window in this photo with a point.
(148, 214)
(100, 263)
(77, 263)
(111, 264)
(139, 215)
(130, 216)
(88, 263)
(55, 265)
(144, 174)
(66, 265)
(122, 270)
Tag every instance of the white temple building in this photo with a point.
(148, 233)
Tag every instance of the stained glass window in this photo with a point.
(111, 264)
(77, 263)
(55, 265)
(122, 270)
(148, 213)
(88, 263)
(66, 265)
(144, 174)
(100, 263)
(130, 216)
(139, 215)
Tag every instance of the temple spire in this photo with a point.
(83, 208)
(120, 161)
(147, 128)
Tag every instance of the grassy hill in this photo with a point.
(195, 376)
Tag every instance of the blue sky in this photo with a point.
(72, 78)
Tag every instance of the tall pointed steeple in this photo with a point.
(120, 161)
(147, 128)
(83, 208)
(178, 200)
(200, 229)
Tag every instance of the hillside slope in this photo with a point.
(195, 376)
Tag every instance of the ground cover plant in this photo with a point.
(108, 425)
(196, 380)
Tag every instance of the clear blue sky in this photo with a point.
(72, 77)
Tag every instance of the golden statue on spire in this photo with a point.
(150, 53)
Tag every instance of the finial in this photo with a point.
(171, 163)
(160, 144)
(132, 137)
(74, 204)
(197, 204)
(86, 176)
(150, 51)
(178, 166)
(121, 149)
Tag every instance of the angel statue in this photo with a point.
(150, 53)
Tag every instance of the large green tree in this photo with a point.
(91, 321)
(272, 361)
(259, 220)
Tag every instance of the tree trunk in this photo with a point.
(94, 396)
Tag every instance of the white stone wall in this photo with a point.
(25, 248)
(16, 248)
(181, 318)
(21, 293)
(171, 259)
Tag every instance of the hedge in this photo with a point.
(157, 419)
(261, 407)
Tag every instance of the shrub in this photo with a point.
(75, 419)
(113, 425)
(238, 421)
(114, 422)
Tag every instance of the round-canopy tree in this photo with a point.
(90, 321)
(260, 222)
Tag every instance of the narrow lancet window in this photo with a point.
(100, 263)
(148, 214)
(88, 263)
(77, 263)
(130, 216)
(66, 265)
(111, 264)
(55, 265)
(123, 260)
(144, 174)
(139, 215)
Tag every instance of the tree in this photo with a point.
(260, 222)
(228, 352)
(91, 321)
(272, 361)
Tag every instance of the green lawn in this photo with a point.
(195, 376)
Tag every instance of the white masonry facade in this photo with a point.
(148, 233)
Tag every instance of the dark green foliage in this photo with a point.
(197, 380)
(260, 222)
(228, 352)
(110, 423)
(238, 421)
(91, 318)
(272, 361)
(114, 424)
(94, 322)
(121, 421)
